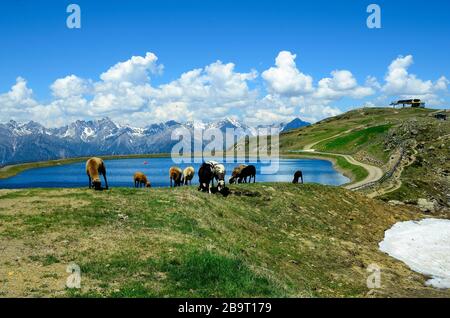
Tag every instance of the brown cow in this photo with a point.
(94, 167)
(140, 180)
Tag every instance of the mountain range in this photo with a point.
(28, 142)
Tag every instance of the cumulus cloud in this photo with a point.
(441, 84)
(136, 69)
(18, 101)
(341, 84)
(216, 86)
(19, 95)
(293, 89)
(69, 86)
(285, 78)
(125, 93)
(18, 104)
(371, 81)
(399, 82)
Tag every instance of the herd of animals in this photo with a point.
(207, 173)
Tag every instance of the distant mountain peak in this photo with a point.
(18, 142)
(294, 124)
(172, 123)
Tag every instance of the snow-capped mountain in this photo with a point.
(27, 142)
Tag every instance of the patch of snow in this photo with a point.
(21, 131)
(70, 132)
(138, 132)
(198, 125)
(87, 133)
(109, 136)
(234, 122)
(422, 245)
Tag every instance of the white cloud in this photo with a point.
(69, 86)
(314, 112)
(18, 104)
(19, 93)
(399, 82)
(341, 84)
(210, 92)
(285, 78)
(18, 100)
(270, 109)
(441, 84)
(371, 81)
(124, 93)
(134, 70)
(294, 89)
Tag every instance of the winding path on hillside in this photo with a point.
(374, 173)
(311, 145)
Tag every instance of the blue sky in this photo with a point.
(321, 37)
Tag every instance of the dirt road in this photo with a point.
(374, 173)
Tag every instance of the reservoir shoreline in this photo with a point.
(71, 173)
(9, 171)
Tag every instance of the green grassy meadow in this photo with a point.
(263, 240)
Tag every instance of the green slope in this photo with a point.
(376, 135)
(368, 128)
(271, 240)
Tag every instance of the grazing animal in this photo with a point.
(205, 176)
(188, 174)
(248, 172)
(140, 180)
(94, 167)
(218, 171)
(236, 173)
(297, 175)
(175, 174)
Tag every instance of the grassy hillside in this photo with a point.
(366, 130)
(269, 239)
(264, 239)
(369, 139)
(383, 136)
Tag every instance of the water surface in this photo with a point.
(120, 173)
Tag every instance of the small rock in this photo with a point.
(122, 217)
(395, 202)
(425, 205)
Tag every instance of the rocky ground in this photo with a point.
(425, 164)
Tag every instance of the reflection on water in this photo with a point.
(120, 173)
